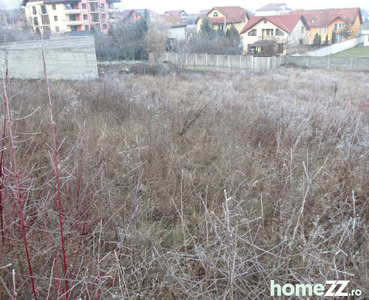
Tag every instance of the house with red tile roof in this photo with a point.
(273, 9)
(223, 17)
(326, 21)
(180, 14)
(281, 31)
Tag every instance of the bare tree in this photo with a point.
(156, 38)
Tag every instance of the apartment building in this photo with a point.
(59, 16)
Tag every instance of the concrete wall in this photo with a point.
(220, 61)
(66, 58)
(330, 63)
(335, 48)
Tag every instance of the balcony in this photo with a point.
(72, 11)
(73, 23)
(113, 9)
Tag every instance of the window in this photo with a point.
(269, 32)
(69, 6)
(85, 17)
(320, 30)
(35, 21)
(265, 21)
(95, 18)
(72, 18)
(105, 26)
(83, 5)
(279, 32)
(34, 10)
(43, 9)
(86, 27)
(103, 17)
(302, 29)
(57, 29)
(45, 20)
(55, 18)
(93, 7)
(280, 48)
(74, 28)
(54, 7)
(215, 14)
(325, 29)
(342, 25)
(221, 27)
(102, 5)
(252, 32)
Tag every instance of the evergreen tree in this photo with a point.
(347, 31)
(206, 30)
(317, 39)
(334, 38)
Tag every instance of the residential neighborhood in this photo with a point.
(273, 29)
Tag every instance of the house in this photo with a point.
(67, 16)
(223, 17)
(268, 32)
(365, 33)
(177, 28)
(326, 21)
(129, 15)
(16, 17)
(180, 14)
(273, 9)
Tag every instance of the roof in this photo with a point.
(173, 21)
(274, 7)
(285, 22)
(324, 17)
(233, 14)
(262, 43)
(175, 13)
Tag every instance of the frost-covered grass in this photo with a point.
(188, 186)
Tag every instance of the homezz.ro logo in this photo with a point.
(336, 288)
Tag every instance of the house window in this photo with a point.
(221, 27)
(69, 6)
(302, 29)
(105, 26)
(215, 15)
(279, 32)
(45, 20)
(102, 5)
(54, 7)
(335, 26)
(74, 28)
(35, 21)
(269, 32)
(72, 18)
(43, 9)
(34, 10)
(57, 29)
(55, 18)
(86, 27)
(320, 30)
(265, 21)
(85, 17)
(103, 17)
(342, 25)
(93, 7)
(252, 32)
(325, 29)
(280, 48)
(83, 5)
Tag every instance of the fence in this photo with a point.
(66, 58)
(335, 48)
(330, 63)
(221, 61)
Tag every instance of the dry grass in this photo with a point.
(189, 186)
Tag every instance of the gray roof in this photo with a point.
(274, 7)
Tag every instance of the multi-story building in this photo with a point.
(59, 16)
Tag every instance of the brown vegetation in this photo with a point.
(188, 186)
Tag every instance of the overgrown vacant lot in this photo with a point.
(187, 186)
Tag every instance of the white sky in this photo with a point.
(194, 6)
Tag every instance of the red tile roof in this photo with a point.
(324, 17)
(233, 14)
(285, 22)
(173, 21)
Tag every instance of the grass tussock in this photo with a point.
(187, 186)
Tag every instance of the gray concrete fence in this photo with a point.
(70, 58)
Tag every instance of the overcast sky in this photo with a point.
(194, 6)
